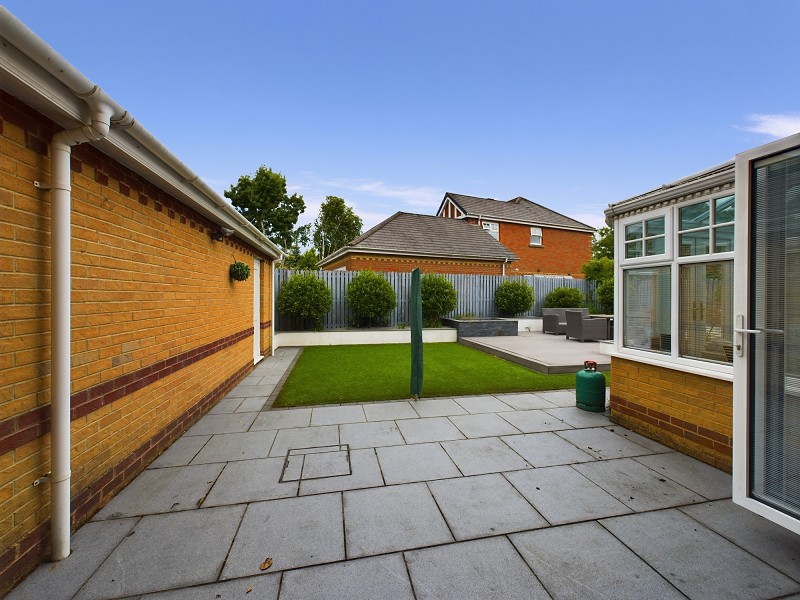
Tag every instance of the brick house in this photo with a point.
(706, 355)
(120, 325)
(405, 241)
(546, 242)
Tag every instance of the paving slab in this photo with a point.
(226, 406)
(282, 419)
(272, 530)
(434, 429)
(636, 486)
(181, 452)
(527, 401)
(90, 546)
(149, 561)
(483, 455)
(697, 561)
(365, 473)
(559, 397)
(571, 415)
(483, 425)
(639, 439)
(488, 568)
(602, 443)
(439, 407)
(370, 435)
(304, 437)
(252, 404)
(389, 411)
(415, 462)
(562, 495)
(162, 490)
(709, 482)
(367, 578)
(483, 506)
(228, 447)
(243, 391)
(388, 519)
(546, 449)
(225, 423)
(533, 421)
(482, 404)
(326, 464)
(250, 481)
(262, 587)
(335, 415)
(772, 543)
(585, 562)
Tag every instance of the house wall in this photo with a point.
(159, 331)
(384, 263)
(562, 252)
(688, 412)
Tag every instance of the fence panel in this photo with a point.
(475, 295)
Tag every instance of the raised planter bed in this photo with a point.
(482, 327)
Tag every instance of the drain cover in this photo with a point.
(316, 463)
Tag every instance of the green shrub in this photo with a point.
(305, 296)
(239, 271)
(605, 295)
(371, 298)
(564, 297)
(598, 269)
(513, 297)
(438, 298)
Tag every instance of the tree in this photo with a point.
(598, 269)
(603, 243)
(262, 200)
(306, 261)
(336, 225)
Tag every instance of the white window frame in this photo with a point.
(493, 227)
(673, 359)
(536, 232)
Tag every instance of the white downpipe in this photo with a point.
(61, 265)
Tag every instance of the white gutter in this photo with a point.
(105, 113)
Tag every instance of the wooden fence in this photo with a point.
(475, 295)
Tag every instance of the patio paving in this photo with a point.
(504, 496)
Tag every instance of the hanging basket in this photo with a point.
(239, 271)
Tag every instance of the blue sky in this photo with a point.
(572, 104)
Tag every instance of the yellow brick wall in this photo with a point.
(148, 285)
(688, 412)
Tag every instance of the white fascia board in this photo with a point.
(486, 217)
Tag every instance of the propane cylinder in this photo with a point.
(590, 388)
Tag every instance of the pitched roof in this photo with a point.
(426, 235)
(517, 209)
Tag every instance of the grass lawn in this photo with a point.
(334, 374)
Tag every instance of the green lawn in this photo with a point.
(334, 374)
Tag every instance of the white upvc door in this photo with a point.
(256, 310)
(766, 425)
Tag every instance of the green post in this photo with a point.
(415, 305)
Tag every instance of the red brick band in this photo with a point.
(266, 324)
(21, 429)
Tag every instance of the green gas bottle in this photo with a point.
(590, 388)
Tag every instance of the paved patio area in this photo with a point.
(507, 496)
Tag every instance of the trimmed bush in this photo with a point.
(438, 298)
(305, 296)
(605, 295)
(565, 297)
(513, 297)
(371, 298)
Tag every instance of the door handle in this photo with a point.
(739, 327)
(738, 330)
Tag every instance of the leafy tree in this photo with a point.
(336, 225)
(306, 261)
(564, 297)
(262, 200)
(605, 295)
(513, 297)
(598, 269)
(603, 243)
(371, 298)
(439, 297)
(305, 296)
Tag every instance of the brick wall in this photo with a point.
(356, 262)
(691, 413)
(562, 252)
(159, 332)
